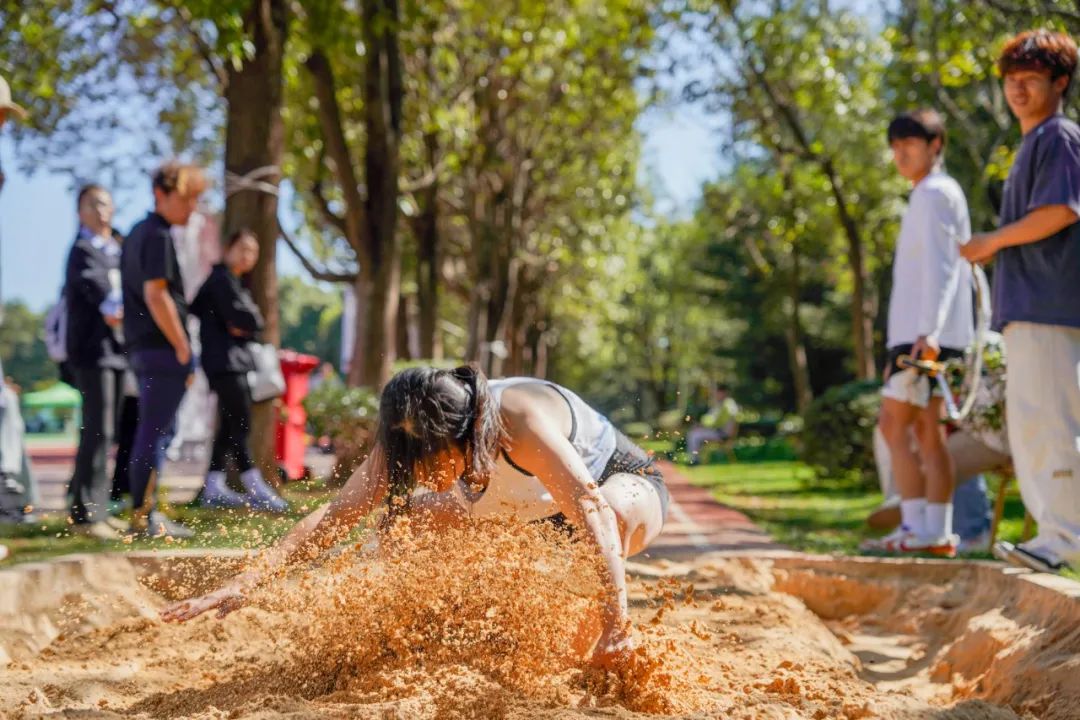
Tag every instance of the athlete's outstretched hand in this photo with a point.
(613, 651)
(225, 600)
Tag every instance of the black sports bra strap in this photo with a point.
(573, 427)
(570, 405)
(514, 465)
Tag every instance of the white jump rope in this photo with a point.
(974, 365)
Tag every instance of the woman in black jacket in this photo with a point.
(229, 320)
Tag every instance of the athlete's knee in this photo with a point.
(638, 509)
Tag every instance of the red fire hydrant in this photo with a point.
(292, 419)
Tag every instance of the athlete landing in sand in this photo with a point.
(518, 447)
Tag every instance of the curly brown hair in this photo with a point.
(1042, 50)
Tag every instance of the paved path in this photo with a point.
(698, 523)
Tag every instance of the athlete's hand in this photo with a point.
(925, 348)
(613, 650)
(225, 600)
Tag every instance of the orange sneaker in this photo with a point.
(944, 546)
(903, 542)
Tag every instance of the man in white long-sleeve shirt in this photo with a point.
(930, 317)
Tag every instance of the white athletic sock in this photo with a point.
(913, 515)
(938, 520)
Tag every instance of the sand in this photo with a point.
(477, 625)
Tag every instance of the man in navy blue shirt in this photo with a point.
(155, 333)
(1037, 295)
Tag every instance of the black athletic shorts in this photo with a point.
(627, 458)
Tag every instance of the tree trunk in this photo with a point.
(800, 371)
(861, 321)
(483, 306)
(476, 323)
(526, 327)
(408, 336)
(362, 291)
(255, 138)
(500, 314)
(427, 274)
(382, 94)
(861, 315)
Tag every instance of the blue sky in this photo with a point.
(37, 211)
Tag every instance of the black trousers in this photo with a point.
(234, 421)
(125, 439)
(101, 390)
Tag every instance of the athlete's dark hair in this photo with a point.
(424, 411)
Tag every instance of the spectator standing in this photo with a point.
(95, 357)
(719, 423)
(155, 330)
(1037, 295)
(229, 320)
(9, 408)
(971, 516)
(930, 317)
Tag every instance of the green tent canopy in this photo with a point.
(59, 395)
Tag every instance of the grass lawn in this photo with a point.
(783, 497)
(214, 528)
(811, 515)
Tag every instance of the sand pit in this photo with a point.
(721, 637)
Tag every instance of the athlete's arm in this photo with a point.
(309, 539)
(538, 443)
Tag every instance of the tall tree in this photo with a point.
(368, 218)
(803, 81)
(515, 147)
(254, 150)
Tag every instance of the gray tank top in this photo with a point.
(513, 490)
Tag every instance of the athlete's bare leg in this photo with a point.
(637, 506)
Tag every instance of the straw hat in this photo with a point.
(6, 102)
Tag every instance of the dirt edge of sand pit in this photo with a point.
(972, 631)
(771, 637)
